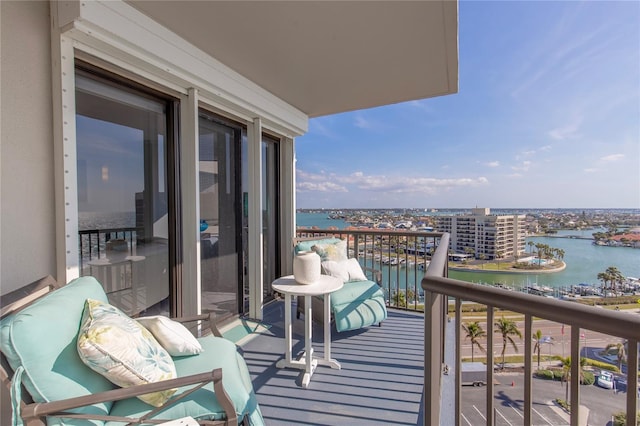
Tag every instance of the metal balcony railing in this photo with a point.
(93, 243)
(402, 258)
(439, 289)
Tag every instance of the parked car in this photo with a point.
(605, 380)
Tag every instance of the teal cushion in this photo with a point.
(306, 245)
(42, 339)
(202, 404)
(355, 291)
(362, 313)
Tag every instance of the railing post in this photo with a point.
(575, 375)
(356, 246)
(490, 390)
(528, 325)
(434, 323)
(432, 358)
(632, 381)
(458, 358)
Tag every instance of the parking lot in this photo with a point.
(509, 401)
(542, 415)
(508, 409)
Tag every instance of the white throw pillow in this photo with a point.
(172, 335)
(355, 270)
(336, 269)
(123, 351)
(345, 270)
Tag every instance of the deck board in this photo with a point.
(380, 381)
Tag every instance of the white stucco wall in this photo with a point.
(27, 222)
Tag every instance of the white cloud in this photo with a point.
(362, 122)
(380, 184)
(322, 126)
(522, 167)
(421, 104)
(568, 131)
(591, 170)
(612, 157)
(492, 164)
(320, 187)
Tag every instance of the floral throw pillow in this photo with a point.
(332, 251)
(120, 349)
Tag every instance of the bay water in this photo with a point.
(584, 260)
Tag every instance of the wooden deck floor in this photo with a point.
(380, 382)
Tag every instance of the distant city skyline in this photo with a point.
(547, 116)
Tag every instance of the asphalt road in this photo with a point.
(509, 400)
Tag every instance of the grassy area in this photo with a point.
(622, 306)
(506, 265)
(489, 266)
(513, 359)
(472, 311)
(519, 359)
(622, 302)
(476, 310)
(629, 302)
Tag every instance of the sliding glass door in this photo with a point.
(124, 211)
(270, 213)
(220, 213)
(128, 205)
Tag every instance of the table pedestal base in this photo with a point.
(306, 361)
(302, 362)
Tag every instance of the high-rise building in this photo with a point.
(482, 234)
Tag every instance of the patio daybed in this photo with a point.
(360, 302)
(42, 347)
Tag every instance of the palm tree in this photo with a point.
(539, 247)
(507, 328)
(616, 277)
(474, 332)
(539, 339)
(611, 275)
(531, 244)
(604, 277)
(620, 352)
(470, 251)
(566, 372)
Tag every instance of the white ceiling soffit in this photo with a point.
(326, 57)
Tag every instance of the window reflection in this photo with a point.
(122, 198)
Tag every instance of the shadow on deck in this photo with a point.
(381, 379)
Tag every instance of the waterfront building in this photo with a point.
(488, 235)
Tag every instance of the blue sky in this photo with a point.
(547, 115)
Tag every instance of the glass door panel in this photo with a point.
(220, 215)
(122, 194)
(270, 214)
